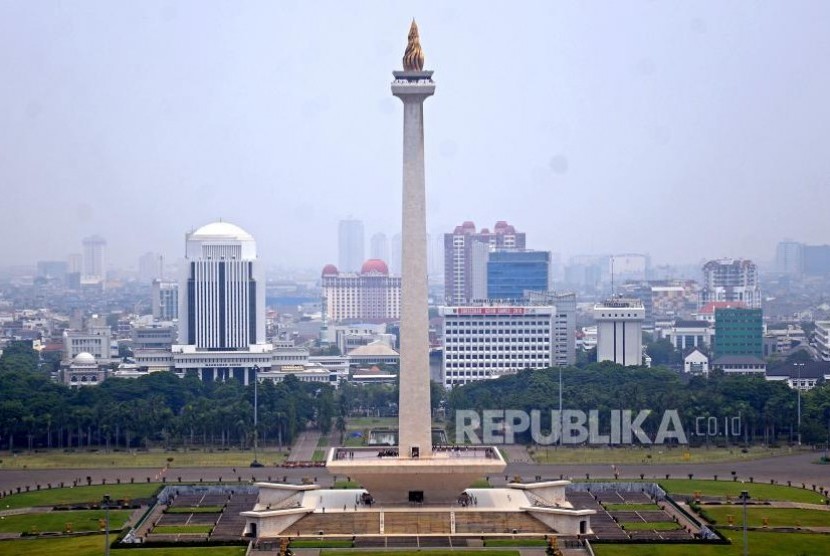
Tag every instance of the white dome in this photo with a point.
(221, 230)
(83, 358)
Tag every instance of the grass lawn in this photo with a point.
(78, 495)
(648, 454)
(437, 552)
(318, 455)
(156, 459)
(93, 545)
(360, 423)
(194, 510)
(323, 442)
(778, 517)
(631, 507)
(760, 544)
(653, 526)
(758, 491)
(347, 484)
(82, 520)
(182, 529)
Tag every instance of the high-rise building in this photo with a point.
(620, 330)
(459, 260)
(222, 305)
(816, 260)
(53, 270)
(150, 267)
(371, 295)
(94, 270)
(789, 257)
(165, 300)
(351, 245)
(395, 255)
(739, 332)
(564, 324)
(510, 273)
(731, 280)
(379, 247)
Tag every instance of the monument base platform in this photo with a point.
(438, 478)
(299, 511)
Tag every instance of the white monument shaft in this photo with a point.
(415, 423)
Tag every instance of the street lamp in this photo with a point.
(745, 496)
(561, 423)
(106, 504)
(798, 389)
(255, 463)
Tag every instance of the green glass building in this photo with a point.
(739, 332)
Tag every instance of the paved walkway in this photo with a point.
(304, 447)
(516, 453)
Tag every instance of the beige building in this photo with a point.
(371, 295)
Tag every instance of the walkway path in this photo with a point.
(304, 447)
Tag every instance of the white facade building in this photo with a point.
(821, 338)
(620, 331)
(696, 362)
(489, 341)
(734, 280)
(165, 300)
(221, 306)
(94, 270)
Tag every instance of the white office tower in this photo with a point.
(221, 305)
(165, 300)
(351, 245)
(93, 261)
(620, 330)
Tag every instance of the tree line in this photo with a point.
(768, 410)
(157, 410)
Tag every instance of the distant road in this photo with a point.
(798, 468)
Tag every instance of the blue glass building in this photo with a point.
(511, 272)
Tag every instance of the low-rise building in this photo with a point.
(802, 376)
(620, 330)
(696, 362)
(490, 340)
(740, 364)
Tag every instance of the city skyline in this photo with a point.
(129, 124)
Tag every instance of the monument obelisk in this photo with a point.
(413, 85)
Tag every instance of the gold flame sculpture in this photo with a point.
(413, 58)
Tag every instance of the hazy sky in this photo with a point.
(686, 130)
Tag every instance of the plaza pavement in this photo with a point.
(796, 468)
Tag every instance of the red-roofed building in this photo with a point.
(707, 312)
(465, 256)
(370, 296)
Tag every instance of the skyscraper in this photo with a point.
(222, 306)
(462, 258)
(379, 247)
(351, 245)
(94, 270)
(222, 301)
